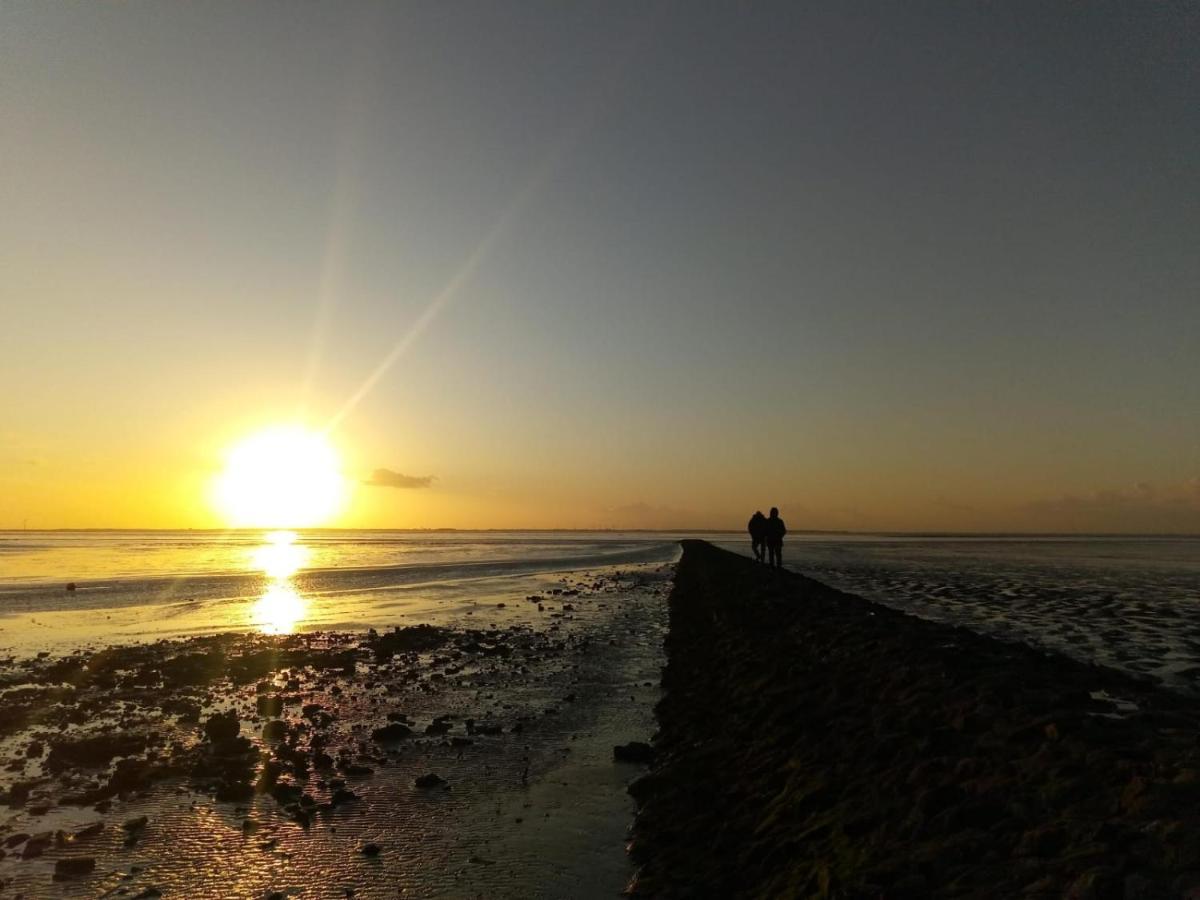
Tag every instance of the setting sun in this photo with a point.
(282, 477)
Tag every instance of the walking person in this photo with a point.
(774, 532)
(758, 534)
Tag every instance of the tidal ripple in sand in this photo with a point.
(1132, 605)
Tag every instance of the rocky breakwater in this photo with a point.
(814, 744)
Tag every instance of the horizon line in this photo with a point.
(614, 530)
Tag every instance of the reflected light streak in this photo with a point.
(279, 610)
(281, 557)
(281, 607)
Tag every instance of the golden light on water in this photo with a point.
(286, 476)
(279, 610)
(281, 607)
(280, 556)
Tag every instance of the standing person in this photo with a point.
(775, 530)
(758, 534)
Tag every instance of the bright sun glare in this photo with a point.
(283, 477)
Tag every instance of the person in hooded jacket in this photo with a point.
(774, 532)
(758, 534)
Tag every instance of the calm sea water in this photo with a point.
(144, 585)
(1132, 603)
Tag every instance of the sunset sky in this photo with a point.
(887, 266)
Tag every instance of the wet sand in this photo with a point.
(471, 756)
(1125, 604)
(813, 743)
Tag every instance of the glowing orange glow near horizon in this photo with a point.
(285, 476)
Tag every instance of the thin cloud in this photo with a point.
(390, 479)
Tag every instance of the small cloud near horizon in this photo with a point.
(390, 479)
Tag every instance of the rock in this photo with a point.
(222, 727)
(370, 850)
(94, 751)
(275, 730)
(1140, 887)
(1045, 840)
(269, 705)
(285, 792)
(934, 800)
(1100, 883)
(322, 761)
(396, 731)
(73, 867)
(429, 780)
(418, 638)
(634, 752)
(136, 824)
(37, 844)
(234, 791)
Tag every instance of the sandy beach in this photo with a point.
(814, 743)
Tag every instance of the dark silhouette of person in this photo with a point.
(775, 530)
(758, 534)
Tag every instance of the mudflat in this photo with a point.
(815, 744)
(468, 756)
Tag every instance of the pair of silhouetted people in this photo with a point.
(766, 537)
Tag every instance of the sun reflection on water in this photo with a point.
(281, 607)
(279, 610)
(280, 557)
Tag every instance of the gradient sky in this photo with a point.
(889, 266)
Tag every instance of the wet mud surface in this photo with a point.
(815, 744)
(1125, 605)
(471, 757)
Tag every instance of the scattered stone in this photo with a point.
(395, 731)
(73, 867)
(634, 752)
(222, 728)
(269, 705)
